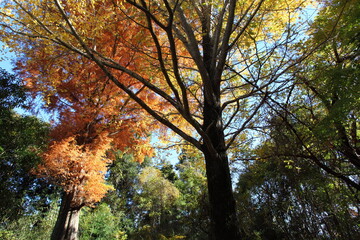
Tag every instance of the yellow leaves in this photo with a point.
(290, 164)
(141, 151)
(272, 19)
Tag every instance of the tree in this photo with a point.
(76, 159)
(322, 107)
(89, 115)
(332, 82)
(12, 93)
(141, 189)
(80, 172)
(35, 224)
(157, 198)
(86, 125)
(306, 170)
(100, 223)
(22, 138)
(194, 216)
(123, 175)
(287, 197)
(202, 59)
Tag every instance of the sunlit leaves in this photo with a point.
(77, 169)
(160, 191)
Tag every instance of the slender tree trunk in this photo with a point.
(224, 224)
(67, 223)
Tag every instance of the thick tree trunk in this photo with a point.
(67, 223)
(222, 202)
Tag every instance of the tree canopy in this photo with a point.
(267, 85)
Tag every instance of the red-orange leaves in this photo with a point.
(89, 106)
(78, 169)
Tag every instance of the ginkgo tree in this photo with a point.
(210, 64)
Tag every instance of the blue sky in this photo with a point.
(5, 59)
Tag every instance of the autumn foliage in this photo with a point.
(92, 115)
(78, 169)
(91, 111)
(204, 69)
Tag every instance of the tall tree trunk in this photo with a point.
(224, 222)
(67, 223)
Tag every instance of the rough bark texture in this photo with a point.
(67, 223)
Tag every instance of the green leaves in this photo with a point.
(12, 93)
(21, 139)
(158, 191)
(100, 224)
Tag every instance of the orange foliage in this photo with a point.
(79, 170)
(93, 114)
(88, 104)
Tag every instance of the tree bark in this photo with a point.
(222, 202)
(224, 224)
(67, 223)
